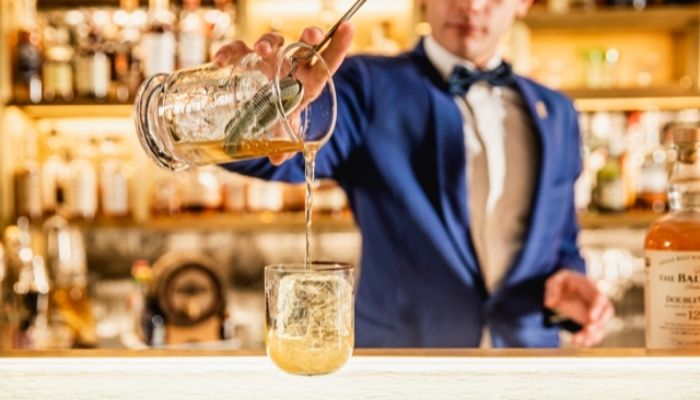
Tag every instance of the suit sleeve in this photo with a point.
(569, 254)
(352, 91)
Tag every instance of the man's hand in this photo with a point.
(312, 76)
(574, 296)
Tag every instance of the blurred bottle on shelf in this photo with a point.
(222, 25)
(26, 180)
(58, 68)
(31, 291)
(166, 197)
(71, 320)
(27, 60)
(127, 62)
(613, 191)
(53, 175)
(93, 70)
(159, 44)
(265, 196)
(192, 36)
(654, 181)
(202, 190)
(114, 177)
(600, 67)
(235, 187)
(8, 320)
(81, 185)
(329, 198)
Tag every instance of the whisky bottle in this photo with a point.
(159, 40)
(192, 44)
(672, 255)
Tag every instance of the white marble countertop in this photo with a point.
(369, 376)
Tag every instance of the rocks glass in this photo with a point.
(309, 315)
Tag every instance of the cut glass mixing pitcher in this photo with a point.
(209, 115)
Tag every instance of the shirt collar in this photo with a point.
(445, 62)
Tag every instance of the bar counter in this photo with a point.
(370, 374)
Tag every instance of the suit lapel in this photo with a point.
(541, 118)
(448, 132)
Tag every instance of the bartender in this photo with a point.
(461, 176)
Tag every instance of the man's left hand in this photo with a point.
(574, 296)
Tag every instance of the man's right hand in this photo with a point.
(313, 77)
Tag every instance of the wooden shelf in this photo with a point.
(259, 222)
(633, 219)
(669, 98)
(294, 221)
(76, 110)
(668, 18)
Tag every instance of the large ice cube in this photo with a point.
(316, 308)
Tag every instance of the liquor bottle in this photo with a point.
(31, 293)
(613, 192)
(70, 306)
(27, 189)
(114, 176)
(7, 317)
(58, 70)
(81, 188)
(653, 181)
(159, 40)
(127, 61)
(222, 25)
(53, 175)
(27, 85)
(672, 255)
(192, 44)
(93, 71)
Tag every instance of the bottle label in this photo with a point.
(672, 297)
(159, 53)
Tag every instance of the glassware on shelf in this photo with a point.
(309, 316)
(209, 115)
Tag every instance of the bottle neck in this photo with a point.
(684, 188)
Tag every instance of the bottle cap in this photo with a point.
(686, 135)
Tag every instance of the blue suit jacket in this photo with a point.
(399, 153)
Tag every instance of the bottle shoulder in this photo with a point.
(677, 231)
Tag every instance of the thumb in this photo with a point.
(553, 290)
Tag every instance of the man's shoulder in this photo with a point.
(552, 97)
(369, 63)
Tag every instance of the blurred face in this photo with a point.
(472, 29)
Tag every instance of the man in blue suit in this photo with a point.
(460, 175)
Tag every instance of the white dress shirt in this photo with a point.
(502, 164)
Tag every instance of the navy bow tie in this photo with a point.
(462, 78)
